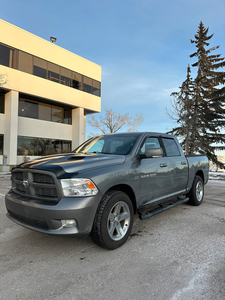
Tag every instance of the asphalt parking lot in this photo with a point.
(177, 255)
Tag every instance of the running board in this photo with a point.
(160, 209)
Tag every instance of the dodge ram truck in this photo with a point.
(97, 188)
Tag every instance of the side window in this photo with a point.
(171, 147)
(150, 143)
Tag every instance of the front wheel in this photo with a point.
(196, 193)
(113, 221)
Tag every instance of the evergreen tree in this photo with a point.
(200, 104)
(209, 112)
(183, 111)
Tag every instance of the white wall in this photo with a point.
(44, 129)
(11, 126)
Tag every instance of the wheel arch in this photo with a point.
(127, 190)
(200, 174)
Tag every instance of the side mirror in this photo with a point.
(157, 152)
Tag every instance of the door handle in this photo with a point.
(163, 165)
(183, 162)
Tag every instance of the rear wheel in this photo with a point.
(113, 221)
(196, 193)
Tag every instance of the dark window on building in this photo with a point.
(44, 147)
(65, 80)
(26, 146)
(30, 64)
(28, 109)
(1, 144)
(40, 67)
(77, 81)
(53, 72)
(67, 116)
(45, 111)
(96, 88)
(57, 114)
(171, 147)
(66, 147)
(6, 56)
(65, 77)
(40, 147)
(21, 108)
(31, 110)
(53, 76)
(20, 150)
(40, 72)
(87, 85)
(2, 103)
(25, 63)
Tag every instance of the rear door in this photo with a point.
(177, 167)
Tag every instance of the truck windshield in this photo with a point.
(108, 144)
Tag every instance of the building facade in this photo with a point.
(45, 94)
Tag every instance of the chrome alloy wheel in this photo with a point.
(118, 221)
(199, 191)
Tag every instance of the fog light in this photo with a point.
(68, 223)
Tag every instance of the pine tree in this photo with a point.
(209, 112)
(200, 103)
(183, 111)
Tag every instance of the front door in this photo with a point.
(152, 179)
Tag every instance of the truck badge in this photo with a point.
(25, 183)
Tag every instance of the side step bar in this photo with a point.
(161, 208)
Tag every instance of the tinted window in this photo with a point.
(2, 104)
(171, 147)
(65, 76)
(87, 88)
(28, 109)
(76, 81)
(87, 84)
(67, 116)
(38, 71)
(31, 110)
(150, 143)
(53, 76)
(66, 147)
(25, 63)
(96, 88)
(65, 80)
(45, 111)
(6, 55)
(1, 144)
(57, 114)
(37, 146)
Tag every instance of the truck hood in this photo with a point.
(72, 164)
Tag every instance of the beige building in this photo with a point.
(46, 97)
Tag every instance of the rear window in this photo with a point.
(171, 147)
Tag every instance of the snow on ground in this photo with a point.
(216, 176)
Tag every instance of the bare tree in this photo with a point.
(114, 121)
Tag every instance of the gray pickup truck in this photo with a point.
(99, 187)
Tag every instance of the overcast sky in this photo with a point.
(143, 46)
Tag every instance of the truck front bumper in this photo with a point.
(51, 218)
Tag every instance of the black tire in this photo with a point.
(113, 221)
(196, 193)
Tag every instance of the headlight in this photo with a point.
(77, 187)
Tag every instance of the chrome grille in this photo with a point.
(35, 185)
